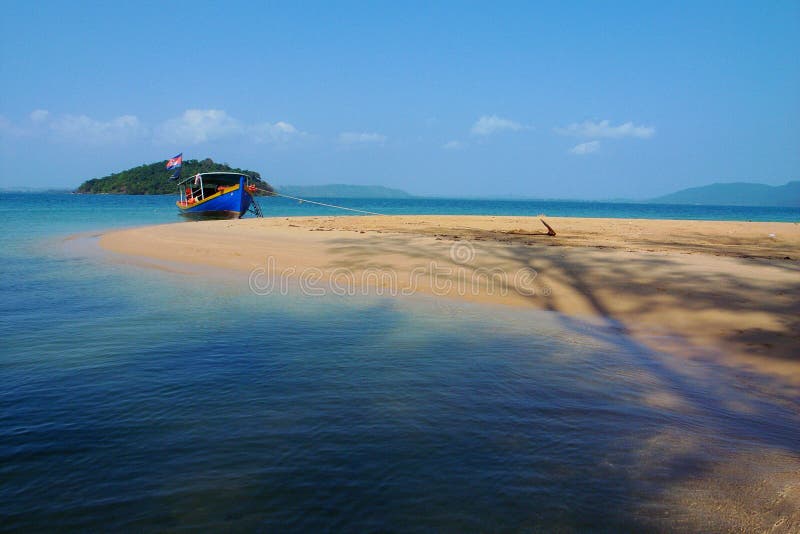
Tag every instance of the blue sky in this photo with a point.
(567, 100)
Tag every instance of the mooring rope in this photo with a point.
(550, 230)
(274, 194)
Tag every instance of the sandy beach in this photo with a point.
(703, 289)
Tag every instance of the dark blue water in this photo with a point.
(143, 400)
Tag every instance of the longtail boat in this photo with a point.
(217, 195)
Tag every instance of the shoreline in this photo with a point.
(701, 289)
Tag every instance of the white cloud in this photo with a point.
(191, 127)
(39, 115)
(198, 126)
(453, 145)
(278, 132)
(604, 129)
(81, 128)
(585, 148)
(201, 125)
(361, 138)
(489, 124)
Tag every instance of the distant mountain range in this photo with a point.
(50, 190)
(341, 191)
(150, 179)
(737, 194)
(730, 194)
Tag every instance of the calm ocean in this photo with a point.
(136, 399)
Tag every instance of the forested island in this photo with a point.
(154, 179)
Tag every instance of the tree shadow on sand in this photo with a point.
(740, 409)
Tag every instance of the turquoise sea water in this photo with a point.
(145, 400)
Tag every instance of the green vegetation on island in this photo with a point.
(154, 178)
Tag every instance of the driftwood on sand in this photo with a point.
(550, 230)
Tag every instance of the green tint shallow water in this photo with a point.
(139, 399)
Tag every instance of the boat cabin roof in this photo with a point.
(217, 178)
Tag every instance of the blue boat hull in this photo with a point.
(230, 204)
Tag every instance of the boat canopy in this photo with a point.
(217, 178)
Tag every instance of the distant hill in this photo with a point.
(48, 190)
(341, 191)
(153, 178)
(737, 194)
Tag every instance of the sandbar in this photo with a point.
(703, 289)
